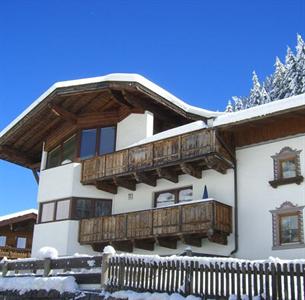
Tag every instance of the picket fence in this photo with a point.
(215, 278)
(208, 278)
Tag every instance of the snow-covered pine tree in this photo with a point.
(229, 107)
(238, 103)
(258, 94)
(300, 66)
(276, 89)
(290, 77)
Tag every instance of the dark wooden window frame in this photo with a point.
(78, 135)
(286, 154)
(61, 147)
(72, 206)
(173, 191)
(287, 209)
(97, 140)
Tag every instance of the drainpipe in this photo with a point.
(231, 154)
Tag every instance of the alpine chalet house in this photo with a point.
(123, 162)
(16, 234)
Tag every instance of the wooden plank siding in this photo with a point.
(198, 218)
(201, 147)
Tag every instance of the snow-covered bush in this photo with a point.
(47, 252)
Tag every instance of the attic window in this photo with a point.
(286, 167)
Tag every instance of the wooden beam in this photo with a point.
(97, 119)
(192, 240)
(16, 156)
(125, 246)
(168, 242)
(35, 173)
(143, 178)
(125, 183)
(119, 97)
(145, 244)
(106, 187)
(62, 113)
(168, 175)
(191, 169)
(217, 237)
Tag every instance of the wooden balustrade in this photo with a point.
(189, 222)
(168, 158)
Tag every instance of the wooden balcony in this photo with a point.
(13, 253)
(188, 222)
(188, 153)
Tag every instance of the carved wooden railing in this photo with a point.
(11, 252)
(199, 218)
(162, 153)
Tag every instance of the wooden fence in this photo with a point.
(216, 280)
(213, 278)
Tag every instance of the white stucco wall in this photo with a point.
(61, 235)
(134, 128)
(256, 198)
(64, 182)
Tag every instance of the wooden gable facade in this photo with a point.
(16, 235)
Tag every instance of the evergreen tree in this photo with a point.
(287, 80)
(238, 103)
(300, 66)
(290, 78)
(229, 107)
(276, 89)
(258, 94)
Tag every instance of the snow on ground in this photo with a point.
(27, 284)
(131, 295)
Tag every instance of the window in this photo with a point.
(286, 167)
(62, 154)
(288, 226)
(21, 242)
(75, 209)
(47, 212)
(63, 210)
(88, 143)
(90, 208)
(2, 240)
(97, 141)
(107, 140)
(170, 197)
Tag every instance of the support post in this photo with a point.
(105, 270)
(4, 268)
(46, 267)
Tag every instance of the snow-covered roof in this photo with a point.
(278, 106)
(118, 77)
(18, 214)
(171, 133)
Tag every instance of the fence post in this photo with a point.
(187, 278)
(104, 272)
(46, 267)
(5, 268)
(121, 272)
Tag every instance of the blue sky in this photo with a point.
(202, 51)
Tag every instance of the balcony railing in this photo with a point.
(13, 253)
(188, 153)
(189, 222)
